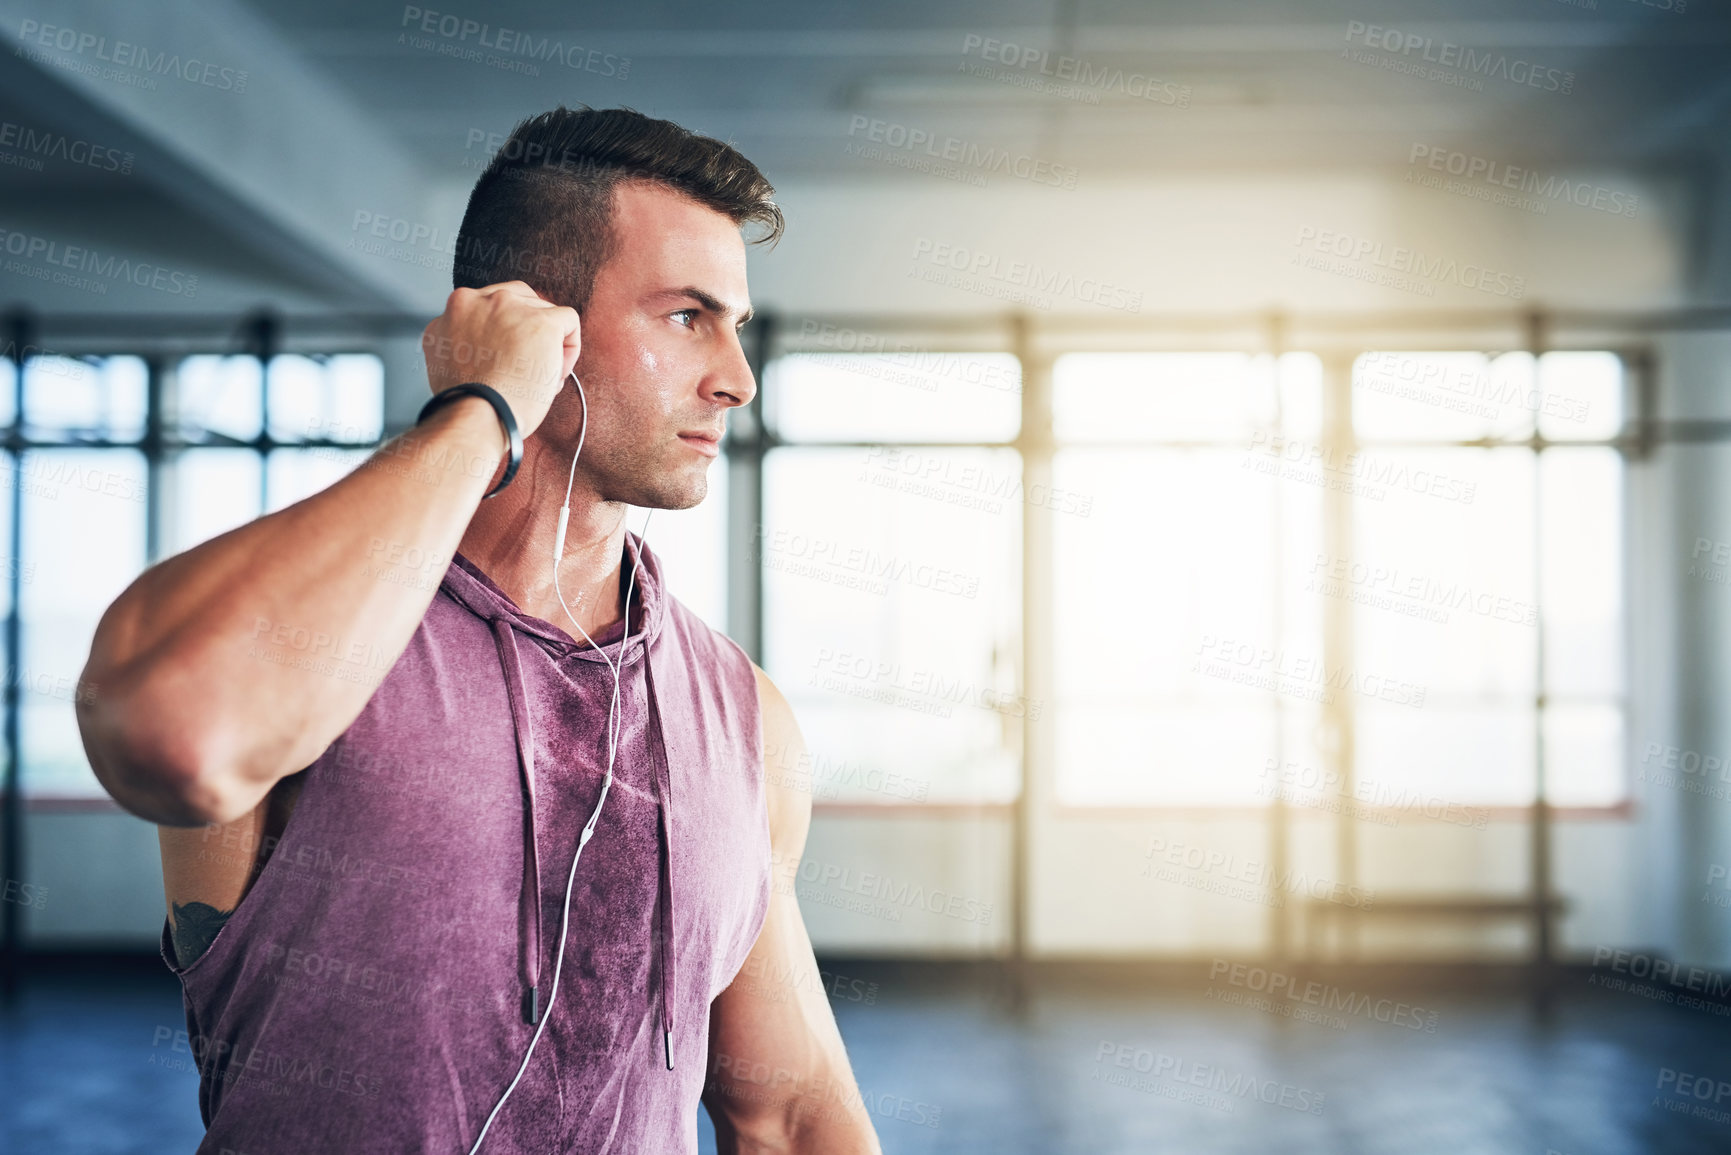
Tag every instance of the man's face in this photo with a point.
(661, 363)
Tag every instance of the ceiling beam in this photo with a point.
(232, 123)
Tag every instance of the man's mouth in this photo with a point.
(705, 441)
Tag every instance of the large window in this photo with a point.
(1500, 590)
(1258, 562)
(1179, 564)
(1424, 552)
(82, 498)
(232, 446)
(890, 551)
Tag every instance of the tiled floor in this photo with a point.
(1087, 1066)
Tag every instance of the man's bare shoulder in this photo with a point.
(786, 769)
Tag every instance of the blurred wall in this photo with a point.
(1198, 244)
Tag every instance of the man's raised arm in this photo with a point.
(206, 675)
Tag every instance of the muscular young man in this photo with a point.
(372, 775)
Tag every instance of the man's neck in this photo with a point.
(511, 539)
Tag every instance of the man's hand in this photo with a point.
(506, 336)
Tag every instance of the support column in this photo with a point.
(1038, 659)
(1340, 443)
(21, 339)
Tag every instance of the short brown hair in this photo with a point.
(542, 211)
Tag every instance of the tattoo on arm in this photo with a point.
(195, 925)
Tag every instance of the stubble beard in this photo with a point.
(647, 480)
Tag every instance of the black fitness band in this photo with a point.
(491, 395)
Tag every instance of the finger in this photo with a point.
(571, 335)
(510, 289)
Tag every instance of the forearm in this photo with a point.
(825, 1116)
(779, 1076)
(199, 697)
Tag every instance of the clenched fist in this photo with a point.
(506, 336)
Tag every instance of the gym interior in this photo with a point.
(1233, 500)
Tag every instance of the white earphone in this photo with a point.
(612, 748)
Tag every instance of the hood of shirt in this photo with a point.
(512, 628)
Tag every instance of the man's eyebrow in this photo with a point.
(709, 301)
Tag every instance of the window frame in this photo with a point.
(1036, 442)
(750, 440)
(159, 443)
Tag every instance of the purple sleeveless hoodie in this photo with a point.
(369, 994)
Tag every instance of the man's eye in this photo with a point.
(688, 313)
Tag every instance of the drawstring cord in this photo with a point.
(663, 793)
(529, 902)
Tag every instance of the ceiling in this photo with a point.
(369, 109)
(1268, 86)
